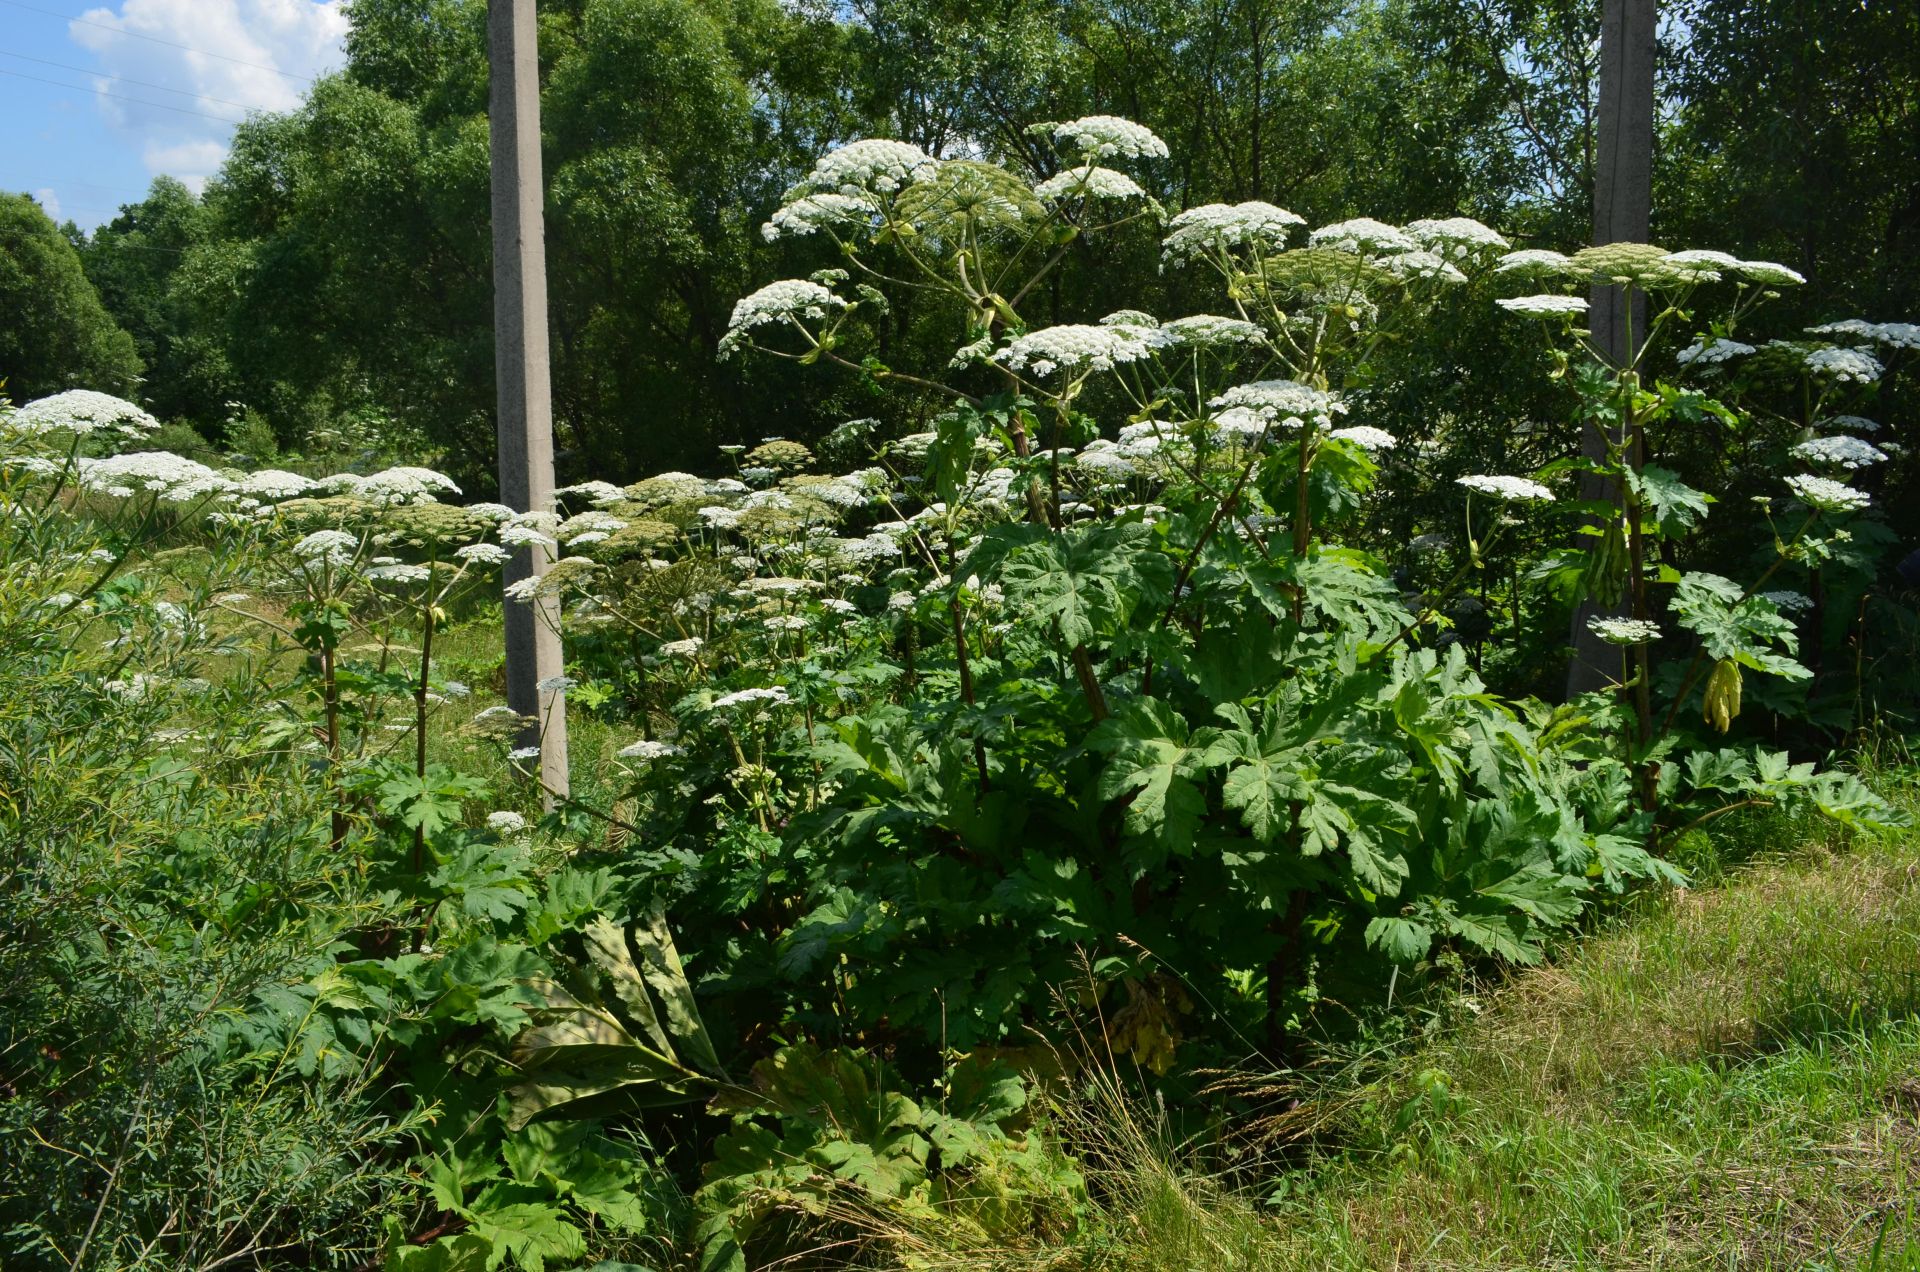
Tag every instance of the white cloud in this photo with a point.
(49, 202)
(226, 56)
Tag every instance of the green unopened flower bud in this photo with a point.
(1722, 702)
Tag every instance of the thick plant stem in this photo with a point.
(420, 730)
(330, 704)
(965, 666)
(1649, 772)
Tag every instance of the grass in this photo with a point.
(1726, 1078)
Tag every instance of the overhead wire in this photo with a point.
(88, 88)
(122, 79)
(154, 39)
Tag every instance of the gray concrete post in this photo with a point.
(522, 367)
(1622, 213)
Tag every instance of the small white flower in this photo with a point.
(506, 823)
(520, 753)
(1547, 305)
(1845, 327)
(1507, 489)
(1827, 495)
(682, 648)
(556, 684)
(599, 493)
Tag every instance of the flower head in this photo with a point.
(1110, 137)
(1507, 489)
(1546, 305)
(1624, 631)
(1089, 182)
(1841, 450)
(788, 300)
(505, 822)
(1827, 495)
(647, 750)
(873, 164)
(1711, 351)
(1845, 364)
(1363, 236)
(1218, 226)
(82, 412)
(811, 212)
(1286, 402)
(1073, 347)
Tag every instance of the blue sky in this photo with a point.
(98, 99)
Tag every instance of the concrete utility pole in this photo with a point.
(522, 368)
(1622, 213)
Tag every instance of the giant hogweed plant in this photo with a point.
(1141, 696)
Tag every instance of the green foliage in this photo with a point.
(54, 332)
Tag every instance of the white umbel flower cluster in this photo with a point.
(788, 300)
(1089, 182)
(82, 412)
(1702, 264)
(1711, 351)
(274, 483)
(1210, 331)
(1219, 226)
(1535, 262)
(334, 547)
(1851, 424)
(1827, 495)
(1110, 137)
(1075, 347)
(506, 822)
(812, 212)
(647, 750)
(1457, 237)
(1366, 436)
(773, 697)
(171, 477)
(1624, 631)
(1545, 305)
(1845, 364)
(1839, 451)
(1771, 274)
(1363, 236)
(1286, 402)
(872, 164)
(1507, 489)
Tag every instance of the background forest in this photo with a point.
(334, 285)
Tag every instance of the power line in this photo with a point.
(84, 70)
(87, 88)
(154, 39)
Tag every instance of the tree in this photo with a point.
(134, 261)
(54, 332)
